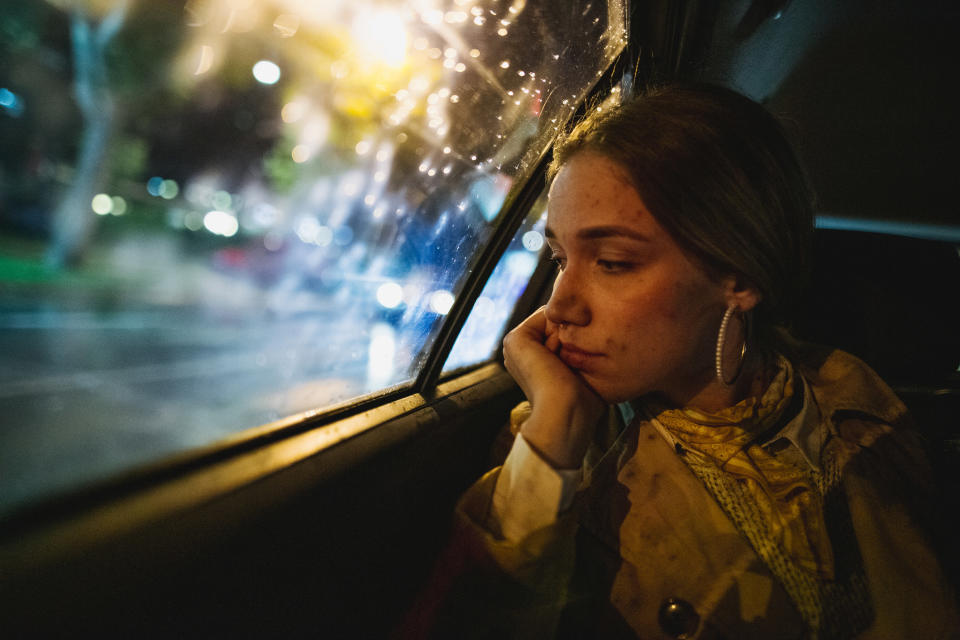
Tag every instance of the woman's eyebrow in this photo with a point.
(604, 231)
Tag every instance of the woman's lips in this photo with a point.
(576, 357)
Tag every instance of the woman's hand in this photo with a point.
(565, 411)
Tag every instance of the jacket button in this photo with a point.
(678, 618)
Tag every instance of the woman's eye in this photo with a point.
(558, 261)
(614, 266)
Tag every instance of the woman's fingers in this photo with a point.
(534, 327)
(553, 342)
(530, 353)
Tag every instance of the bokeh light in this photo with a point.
(380, 35)
(287, 24)
(118, 206)
(155, 185)
(300, 153)
(441, 301)
(390, 295)
(11, 102)
(533, 240)
(101, 204)
(221, 223)
(169, 189)
(266, 72)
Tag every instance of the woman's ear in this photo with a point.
(741, 292)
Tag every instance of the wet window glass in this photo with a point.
(479, 339)
(219, 213)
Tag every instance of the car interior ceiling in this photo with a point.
(344, 540)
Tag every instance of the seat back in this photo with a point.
(891, 300)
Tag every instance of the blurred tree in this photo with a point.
(73, 220)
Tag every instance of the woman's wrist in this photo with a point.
(558, 435)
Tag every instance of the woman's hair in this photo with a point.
(716, 171)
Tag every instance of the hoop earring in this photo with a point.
(721, 342)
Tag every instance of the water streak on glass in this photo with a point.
(218, 213)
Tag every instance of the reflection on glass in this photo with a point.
(480, 337)
(217, 213)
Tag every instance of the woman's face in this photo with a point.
(634, 314)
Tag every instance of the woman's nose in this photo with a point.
(567, 304)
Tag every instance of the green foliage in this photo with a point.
(128, 158)
(139, 55)
(13, 269)
(279, 167)
(19, 24)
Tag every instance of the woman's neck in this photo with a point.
(713, 395)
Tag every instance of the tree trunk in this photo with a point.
(73, 219)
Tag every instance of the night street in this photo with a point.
(87, 394)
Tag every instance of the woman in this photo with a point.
(683, 468)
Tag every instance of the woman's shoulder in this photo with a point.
(863, 415)
(871, 431)
(845, 386)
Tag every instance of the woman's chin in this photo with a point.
(611, 393)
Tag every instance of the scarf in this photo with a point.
(786, 495)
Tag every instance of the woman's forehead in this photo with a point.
(592, 197)
(603, 232)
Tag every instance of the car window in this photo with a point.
(479, 339)
(215, 214)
